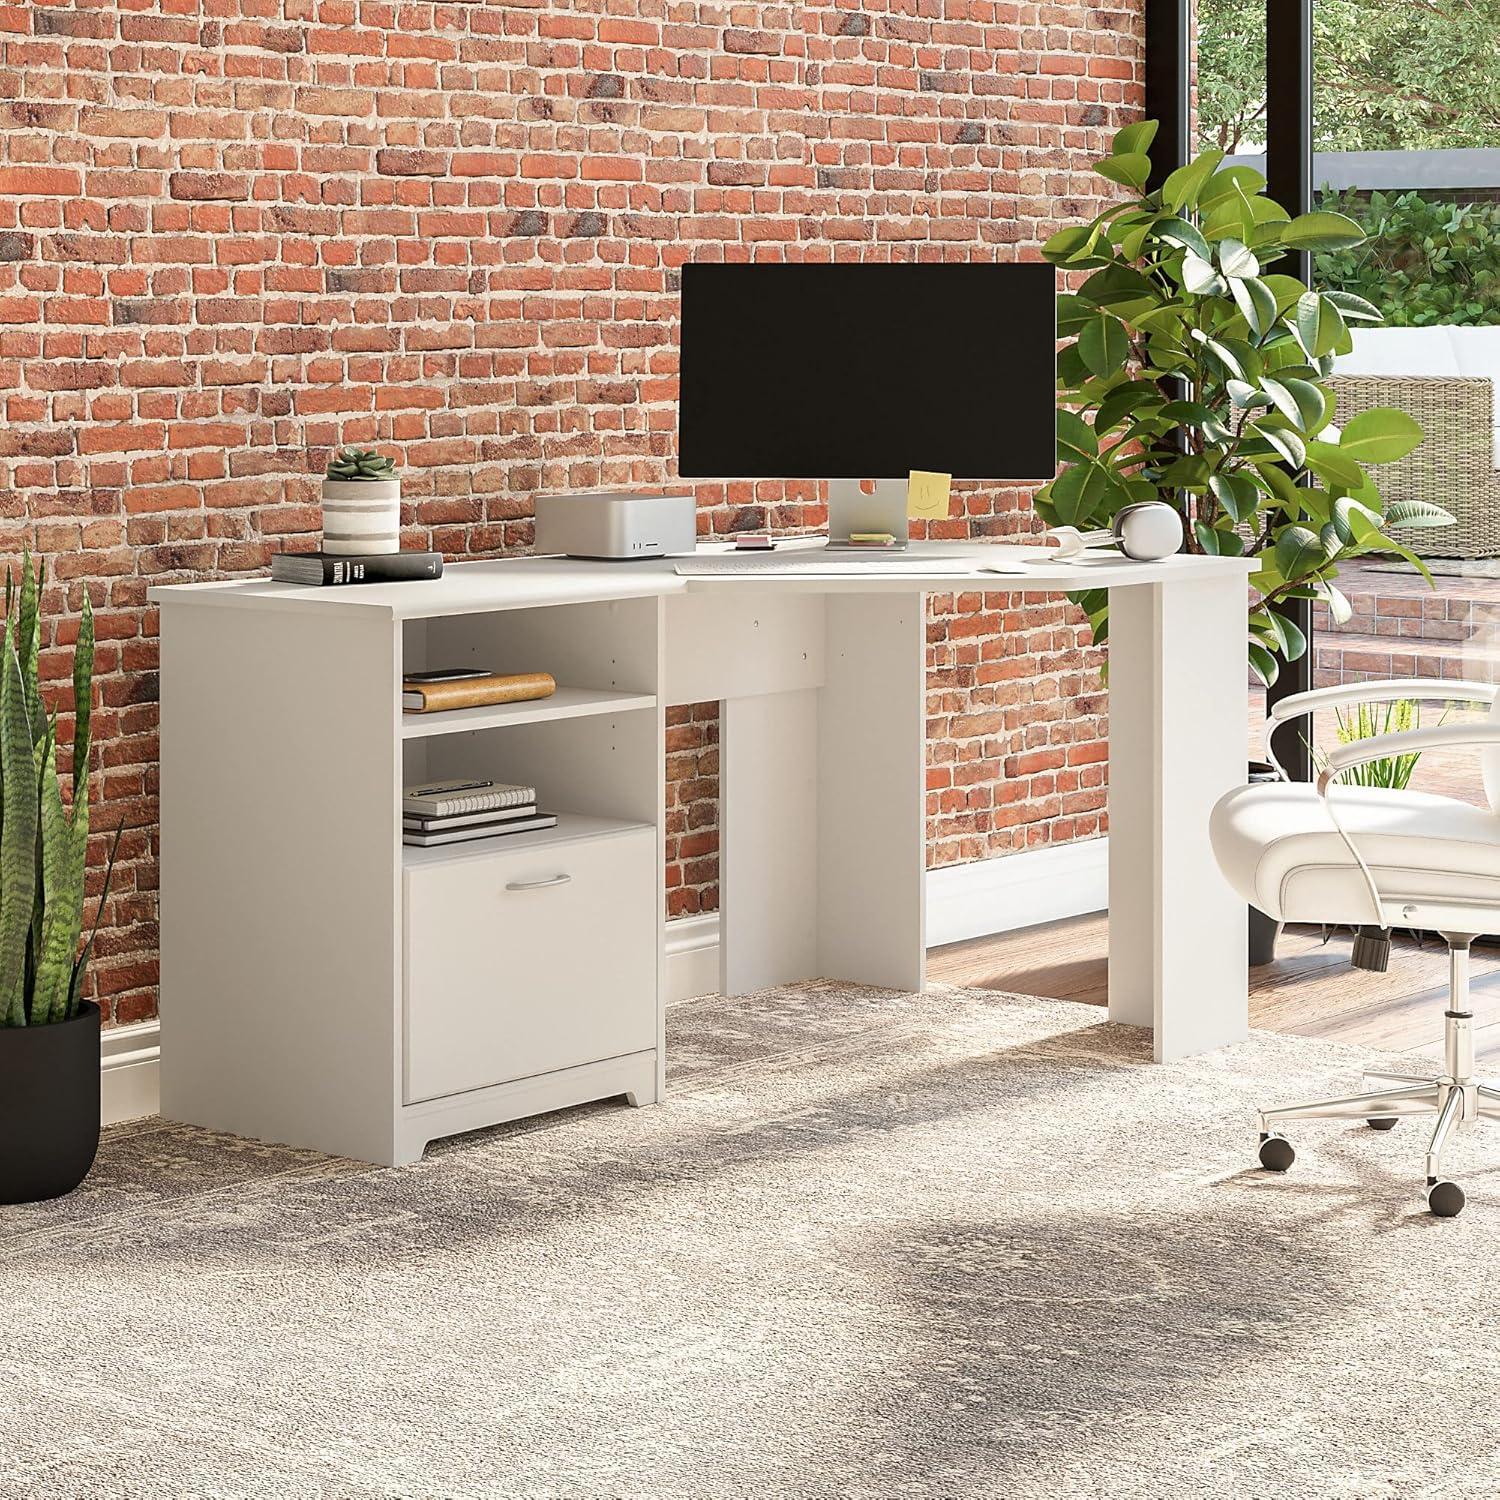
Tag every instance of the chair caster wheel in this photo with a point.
(1276, 1153)
(1445, 1200)
(1382, 1122)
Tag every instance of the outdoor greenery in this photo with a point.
(1393, 772)
(1196, 375)
(360, 463)
(1423, 262)
(43, 844)
(1390, 74)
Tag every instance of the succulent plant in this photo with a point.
(43, 844)
(360, 464)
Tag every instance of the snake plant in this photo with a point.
(360, 464)
(43, 841)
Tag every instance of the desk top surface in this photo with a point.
(522, 582)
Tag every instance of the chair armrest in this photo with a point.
(1403, 742)
(1424, 689)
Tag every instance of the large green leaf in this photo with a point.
(1103, 344)
(64, 852)
(1312, 402)
(1322, 230)
(1286, 442)
(1225, 183)
(1075, 438)
(1129, 168)
(1333, 464)
(1185, 235)
(1298, 552)
(1116, 284)
(1255, 300)
(1263, 663)
(1130, 139)
(1237, 259)
(1237, 492)
(28, 642)
(1417, 513)
(1355, 309)
(1320, 328)
(1076, 492)
(1200, 278)
(1132, 396)
(1182, 187)
(18, 830)
(83, 701)
(1072, 313)
(1380, 435)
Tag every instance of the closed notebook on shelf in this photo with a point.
(468, 820)
(425, 840)
(455, 798)
(426, 697)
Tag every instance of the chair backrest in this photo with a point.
(1452, 466)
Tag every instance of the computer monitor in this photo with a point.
(861, 371)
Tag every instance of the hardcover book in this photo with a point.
(423, 695)
(332, 569)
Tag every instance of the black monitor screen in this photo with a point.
(857, 371)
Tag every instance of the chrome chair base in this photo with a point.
(1456, 1098)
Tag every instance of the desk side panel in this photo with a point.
(280, 876)
(872, 782)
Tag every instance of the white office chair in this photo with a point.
(1379, 859)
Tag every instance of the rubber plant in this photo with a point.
(43, 839)
(1196, 375)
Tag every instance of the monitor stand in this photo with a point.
(851, 509)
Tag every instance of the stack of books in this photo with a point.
(453, 812)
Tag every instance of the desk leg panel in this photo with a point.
(768, 840)
(872, 789)
(1177, 702)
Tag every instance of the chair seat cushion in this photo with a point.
(1279, 849)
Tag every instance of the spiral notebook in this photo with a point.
(450, 799)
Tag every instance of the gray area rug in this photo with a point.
(875, 1244)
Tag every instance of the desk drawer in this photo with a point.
(528, 960)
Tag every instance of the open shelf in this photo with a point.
(565, 703)
(570, 827)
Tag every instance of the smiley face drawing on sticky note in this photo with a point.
(927, 495)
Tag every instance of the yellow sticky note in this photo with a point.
(927, 495)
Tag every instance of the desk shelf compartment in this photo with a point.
(603, 657)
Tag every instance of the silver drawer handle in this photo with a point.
(537, 885)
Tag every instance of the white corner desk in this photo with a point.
(324, 986)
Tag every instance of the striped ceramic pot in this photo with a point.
(361, 515)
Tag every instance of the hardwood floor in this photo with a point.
(1310, 989)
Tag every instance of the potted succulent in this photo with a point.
(49, 1035)
(1198, 376)
(361, 503)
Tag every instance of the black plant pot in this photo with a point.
(49, 1106)
(1264, 930)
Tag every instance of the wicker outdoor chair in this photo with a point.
(1453, 466)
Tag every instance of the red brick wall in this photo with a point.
(235, 232)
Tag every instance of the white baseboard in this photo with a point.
(692, 956)
(1016, 890)
(963, 901)
(130, 1072)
